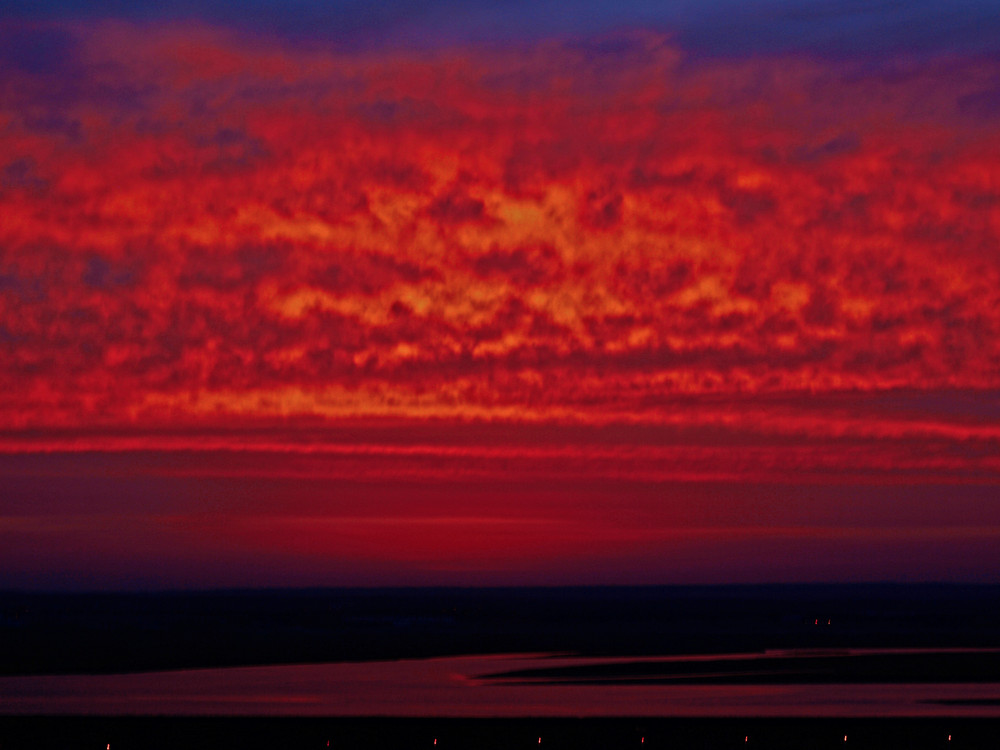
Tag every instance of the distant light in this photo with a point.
(435, 740)
(539, 740)
(949, 738)
(827, 622)
(642, 741)
(747, 738)
(845, 738)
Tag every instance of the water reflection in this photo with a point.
(454, 687)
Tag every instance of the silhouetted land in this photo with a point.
(63, 633)
(116, 632)
(791, 668)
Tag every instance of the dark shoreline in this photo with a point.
(786, 668)
(387, 733)
(60, 633)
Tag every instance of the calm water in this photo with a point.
(451, 687)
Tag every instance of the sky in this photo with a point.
(498, 292)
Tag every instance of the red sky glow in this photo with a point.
(569, 310)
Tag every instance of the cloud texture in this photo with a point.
(665, 268)
(195, 224)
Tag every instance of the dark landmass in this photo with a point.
(42, 733)
(121, 632)
(784, 669)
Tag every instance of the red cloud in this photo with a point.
(200, 229)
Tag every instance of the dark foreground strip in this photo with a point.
(153, 733)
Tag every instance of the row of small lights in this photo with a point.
(642, 741)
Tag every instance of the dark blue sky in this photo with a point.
(714, 27)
